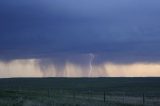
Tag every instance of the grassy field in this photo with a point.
(80, 92)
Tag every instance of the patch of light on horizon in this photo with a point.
(31, 68)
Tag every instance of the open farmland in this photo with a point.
(80, 92)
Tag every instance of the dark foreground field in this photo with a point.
(80, 92)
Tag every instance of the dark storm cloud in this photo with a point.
(113, 30)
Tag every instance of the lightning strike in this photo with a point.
(91, 64)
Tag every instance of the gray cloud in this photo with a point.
(120, 31)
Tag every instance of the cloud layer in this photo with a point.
(58, 31)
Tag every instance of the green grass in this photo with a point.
(77, 91)
(81, 83)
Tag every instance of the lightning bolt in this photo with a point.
(90, 63)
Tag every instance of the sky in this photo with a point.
(79, 38)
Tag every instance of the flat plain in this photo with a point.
(80, 92)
